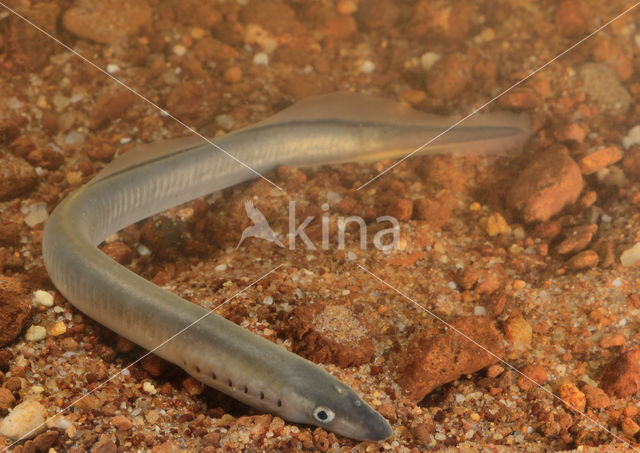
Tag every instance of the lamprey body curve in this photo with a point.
(328, 129)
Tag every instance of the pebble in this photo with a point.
(552, 181)
(621, 377)
(428, 59)
(261, 58)
(255, 34)
(16, 176)
(108, 21)
(35, 333)
(58, 329)
(121, 423)
(583, 260)
(179, 50)
(632, 137)
(233, 74)
(601, 83)
(520, 99)
(518, 331)
(496, 224)
(631, 256)
(572, 396)
(37, 214)
(401, 209)
(600, 158)
(571, 19)
(119, 252)
(437, 357)
(7, 400)
(149, 388)
(536, 373)
(629, 427)
(14, 309)
(367, 67)
(577, 239)
(596, 397)
(43, 298)
(26, 419)
(113, 68)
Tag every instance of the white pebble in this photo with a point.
(149, 388)
(35, 333)
(43, 298)
(225, 121)
(143, 250)
(179, 50)
(632, 138)
(367, 67)
(37, 214)
(428, 59)
(112, 68)
(351, 256)
(268, 300)
(261, 58)
(24, 421)
(220, 267)
(479, 310)
(631, 257)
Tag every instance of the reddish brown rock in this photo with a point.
(577, 239)
(535, 373)
(107, 21)
(154, 365)
(27, 46)
(583, 260)
(112, 105)
(596, 397)
(434, 358)
(44, 441)
(7, 400)
(613, 340)
(449, 76)
(9, 234)
(15, 309)
(520, 99)
(401, 209)
(119, 252)
(104, 446)
(631, 162)
(439, 19)
(548, 184)
(331, 334)
(46, 157)
(194, 102)
(16, 177)
(377, 14)
(570, 133)
(610, 53)
(621, 376)
(431, 211)
(572, 396)
(600, 158)
(571, 19)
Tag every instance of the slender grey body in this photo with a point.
(214, 350)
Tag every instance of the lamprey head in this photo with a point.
(332, 405)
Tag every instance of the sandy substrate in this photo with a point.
(526, 253)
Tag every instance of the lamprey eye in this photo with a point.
(323, 414)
